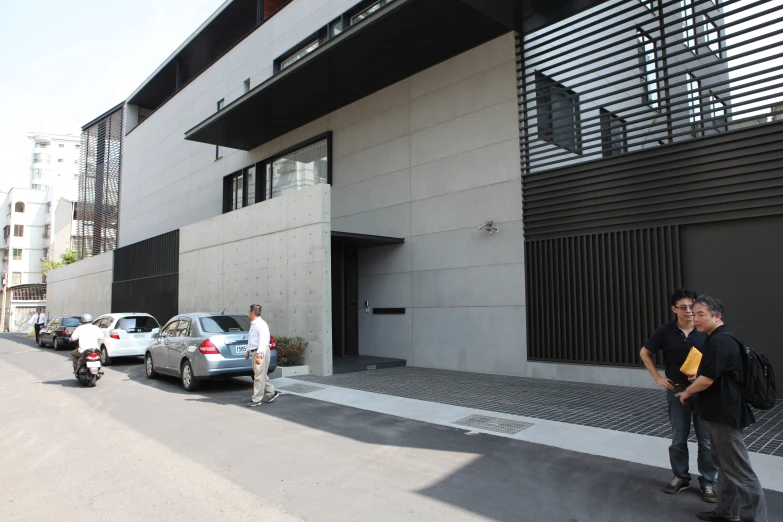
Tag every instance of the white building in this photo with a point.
(54, 162)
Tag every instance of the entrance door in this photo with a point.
(345, 299)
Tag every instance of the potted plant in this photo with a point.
(290, 357)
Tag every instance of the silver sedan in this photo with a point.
(202, 346)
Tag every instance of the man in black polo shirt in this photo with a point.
(675, 340)
(740, 496)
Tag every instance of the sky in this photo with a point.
(64, 63)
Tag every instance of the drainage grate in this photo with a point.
(300, 388)
(483, 422)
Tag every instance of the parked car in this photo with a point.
(195, 347)
(125, 335)
(58, 333)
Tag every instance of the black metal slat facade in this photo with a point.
(146, 277)
(607, 213)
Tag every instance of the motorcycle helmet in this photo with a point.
(86, 318)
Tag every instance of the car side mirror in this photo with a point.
(155, 330)
(155, 335)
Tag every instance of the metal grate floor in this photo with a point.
(497, 424)
(631, 410)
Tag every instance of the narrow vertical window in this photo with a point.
(712, 36)
(613, 135)
(694, 104)
(648, 65)
(688, 25)
(557, 112)
(219, 148)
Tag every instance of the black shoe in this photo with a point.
(273, 397)
(708, 494)
(712, 515)
(676, 485)
(252, 404)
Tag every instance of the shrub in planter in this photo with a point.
(290, 351)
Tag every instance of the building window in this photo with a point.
(688, 24)
(649, 4)
(19, 207)
(336, 27)
(219, 149)
(299, 169)
(41, 144)
(38, 173)
(613, 134)
(61, 145)
(48, 207)
(694, 103)
(301, 53)
(718, 111)
(712, 36)
(60, 160)
(17, 254)
(47, 229)
(46, 253)
(557, 111)
(247, 85)
(16, 278)
(18, 230)
(40, 158)
(236, 191)
(648, 64)
(368, 11)
(40, 187)
(78, 146)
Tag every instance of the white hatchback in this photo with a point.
(125, 335)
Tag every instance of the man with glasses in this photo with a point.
(674, 340)
(258, 349)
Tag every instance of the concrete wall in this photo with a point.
(277, 254)
(81, 288)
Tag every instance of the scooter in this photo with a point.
(88, 368)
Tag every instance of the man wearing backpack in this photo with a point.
(740, 496)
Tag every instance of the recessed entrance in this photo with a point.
(346, 305)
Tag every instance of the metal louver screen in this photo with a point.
(596, 298)
(97, 210)
(629, 75)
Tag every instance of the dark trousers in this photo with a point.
(680, 416)
(37, 331)
(740, 496)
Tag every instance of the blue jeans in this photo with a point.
(680, 416)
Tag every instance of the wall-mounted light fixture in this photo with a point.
(489, 226)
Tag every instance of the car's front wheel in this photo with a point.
(41, 343)
(55, 344)
(105, 359)
(149, 368)
(189, 382)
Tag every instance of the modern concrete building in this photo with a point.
(495, 186)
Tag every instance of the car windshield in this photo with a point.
(225, 324)
(137, 324)
(71, 321)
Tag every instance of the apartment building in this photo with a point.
(491, 186)
(54, 162)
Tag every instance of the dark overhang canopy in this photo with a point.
(405, 37)
(365, 240)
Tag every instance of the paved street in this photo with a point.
(135, 449)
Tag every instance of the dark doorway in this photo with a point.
(345, 299)
(739, 262)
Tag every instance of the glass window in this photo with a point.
(236, 191)
(40, 158)
(17, 254)
(61, 145)
(250, 179)
(47, 229)
(48, 207)
(170, 330)
(303, 168)
(18, 230)
(60, 160)
(225, 324)
(71, 321)
(219, 149)
(40, 187)
(19, 207)
(694, 103)
(718, 113)
(46, 253)
(336, 27)
(39, 173)
(648, 65)
(301, 53)
(41, 144)
(557, 114)
(137, 324)
(183, 329)
(367, 12)
(688, 28)
(613, 134)
(78, 146)
(712, 35)
(16, 278)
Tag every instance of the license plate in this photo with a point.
(139, 336)
(91, 364)
(241, 349)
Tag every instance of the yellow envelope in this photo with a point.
(691, 364)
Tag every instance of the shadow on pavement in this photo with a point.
(506, 480)
(65, 383)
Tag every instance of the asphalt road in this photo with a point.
(139, 449)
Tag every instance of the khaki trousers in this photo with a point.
(262, 386)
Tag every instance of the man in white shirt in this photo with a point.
(258, 349)
(89, 337)
(39, 321)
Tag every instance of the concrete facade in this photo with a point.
(276, 254)
(81, 288)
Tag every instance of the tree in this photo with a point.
(66, 258)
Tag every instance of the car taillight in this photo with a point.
(93, 356)
(208, 347)
(272, 344)
(114, 334)
(65, 331)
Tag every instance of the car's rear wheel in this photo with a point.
(189, 382)
(55, 344)
(105, 359)
(149, 368)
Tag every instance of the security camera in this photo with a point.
(489, 226)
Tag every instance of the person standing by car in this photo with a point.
(726, 414)
(258, 349)
(674, 340)
(88, 336)
(39, 321)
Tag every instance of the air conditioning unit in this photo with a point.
(45, 235)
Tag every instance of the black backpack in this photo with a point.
(758, 387)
